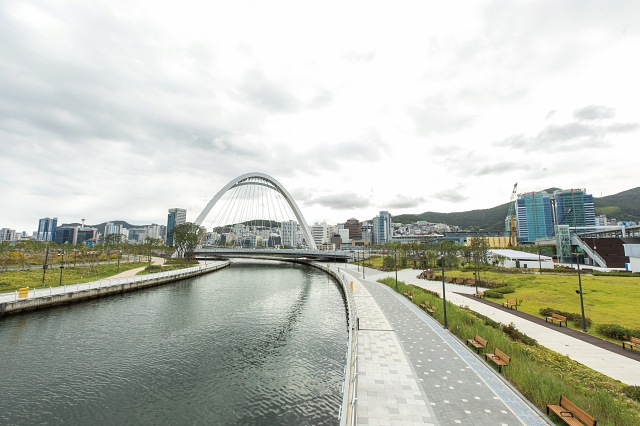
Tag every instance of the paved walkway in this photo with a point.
(412, 372)
(132, 272)
(616, 366)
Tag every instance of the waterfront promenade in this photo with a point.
(413, 372)
(616, 366)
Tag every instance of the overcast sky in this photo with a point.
(123, 109)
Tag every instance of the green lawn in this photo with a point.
(169, 265)
(12, 280)
(608, 300)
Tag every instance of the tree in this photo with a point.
(186, 239)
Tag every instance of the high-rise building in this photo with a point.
(534, 216)
(7, 234)
(290, 233)
(382, 228)
(355, 228)
(47, 229)
(322, 233)
(175, 217)
(66, 234)
(574, 207)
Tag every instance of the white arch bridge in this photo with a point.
(255, 215)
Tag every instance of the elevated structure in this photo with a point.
(226, 253)
(257, 181)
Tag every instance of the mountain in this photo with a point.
(622, 206)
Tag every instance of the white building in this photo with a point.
(344, 235)
(520, 259)
(322, 233)
(290, 233)
(7, 234)
(633, 252)
(382, 228)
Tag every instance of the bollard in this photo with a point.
(16, 299)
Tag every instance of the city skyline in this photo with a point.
(122, 110)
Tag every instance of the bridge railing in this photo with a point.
(301, 253)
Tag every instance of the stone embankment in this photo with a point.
(45, 298)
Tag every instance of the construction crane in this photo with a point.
(510, 220)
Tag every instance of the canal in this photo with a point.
(258, 343)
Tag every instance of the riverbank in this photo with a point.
(62, 295)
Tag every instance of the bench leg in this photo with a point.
(499, 369)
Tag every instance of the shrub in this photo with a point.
(493, 294)
(614, 331)
(632, 392)
(505, 290)
(518, 336)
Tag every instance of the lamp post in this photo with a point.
(61, 253)
(475, 280)
(444, 296)
(395, 267)
(46, 264)
(579, 291)
(363, 263)
(539, 260)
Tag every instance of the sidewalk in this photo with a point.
(413, 372)
(616, 366)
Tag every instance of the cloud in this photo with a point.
(550, 114)
(558, 137)
(268, 94)
(451, 196)
(341, 201)
(357, 57)
(594, 112)
(435, 116)
(404, 202)
(503, 167)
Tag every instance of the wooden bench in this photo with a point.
(510, 304)
(570, 413)
(432, 310)
(499, 358)
(559, 318)
(479, 294)
(478, 342)
(633, 342)
(409, 295)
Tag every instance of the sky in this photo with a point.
(120, 110)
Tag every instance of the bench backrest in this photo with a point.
(559, 317)
(635, 340)
(434, 308)
(576, 411)
(511, 302)
(502, 355)
(480, 340)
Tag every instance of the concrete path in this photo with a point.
(616, 366)
(132, 272)
(412, 372)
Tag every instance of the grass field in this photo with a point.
(12, 280)
(541, 374)
(607, 300)
(169, 265)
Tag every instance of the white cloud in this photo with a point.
(114, 109)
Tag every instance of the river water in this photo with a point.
(258, 343)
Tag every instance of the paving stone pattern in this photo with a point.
(413, 375)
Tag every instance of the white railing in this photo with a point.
(52, 291)
(350, 385)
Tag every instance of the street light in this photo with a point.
(61, 253)
(395, 267)
(579, 291)
(444, 296)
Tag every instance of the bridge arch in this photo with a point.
(271, 183)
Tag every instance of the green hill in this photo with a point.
(622, 206)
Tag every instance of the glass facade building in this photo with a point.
(574, 207)
(534, 215)
(47, 229)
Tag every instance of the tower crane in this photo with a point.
(510, 220)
